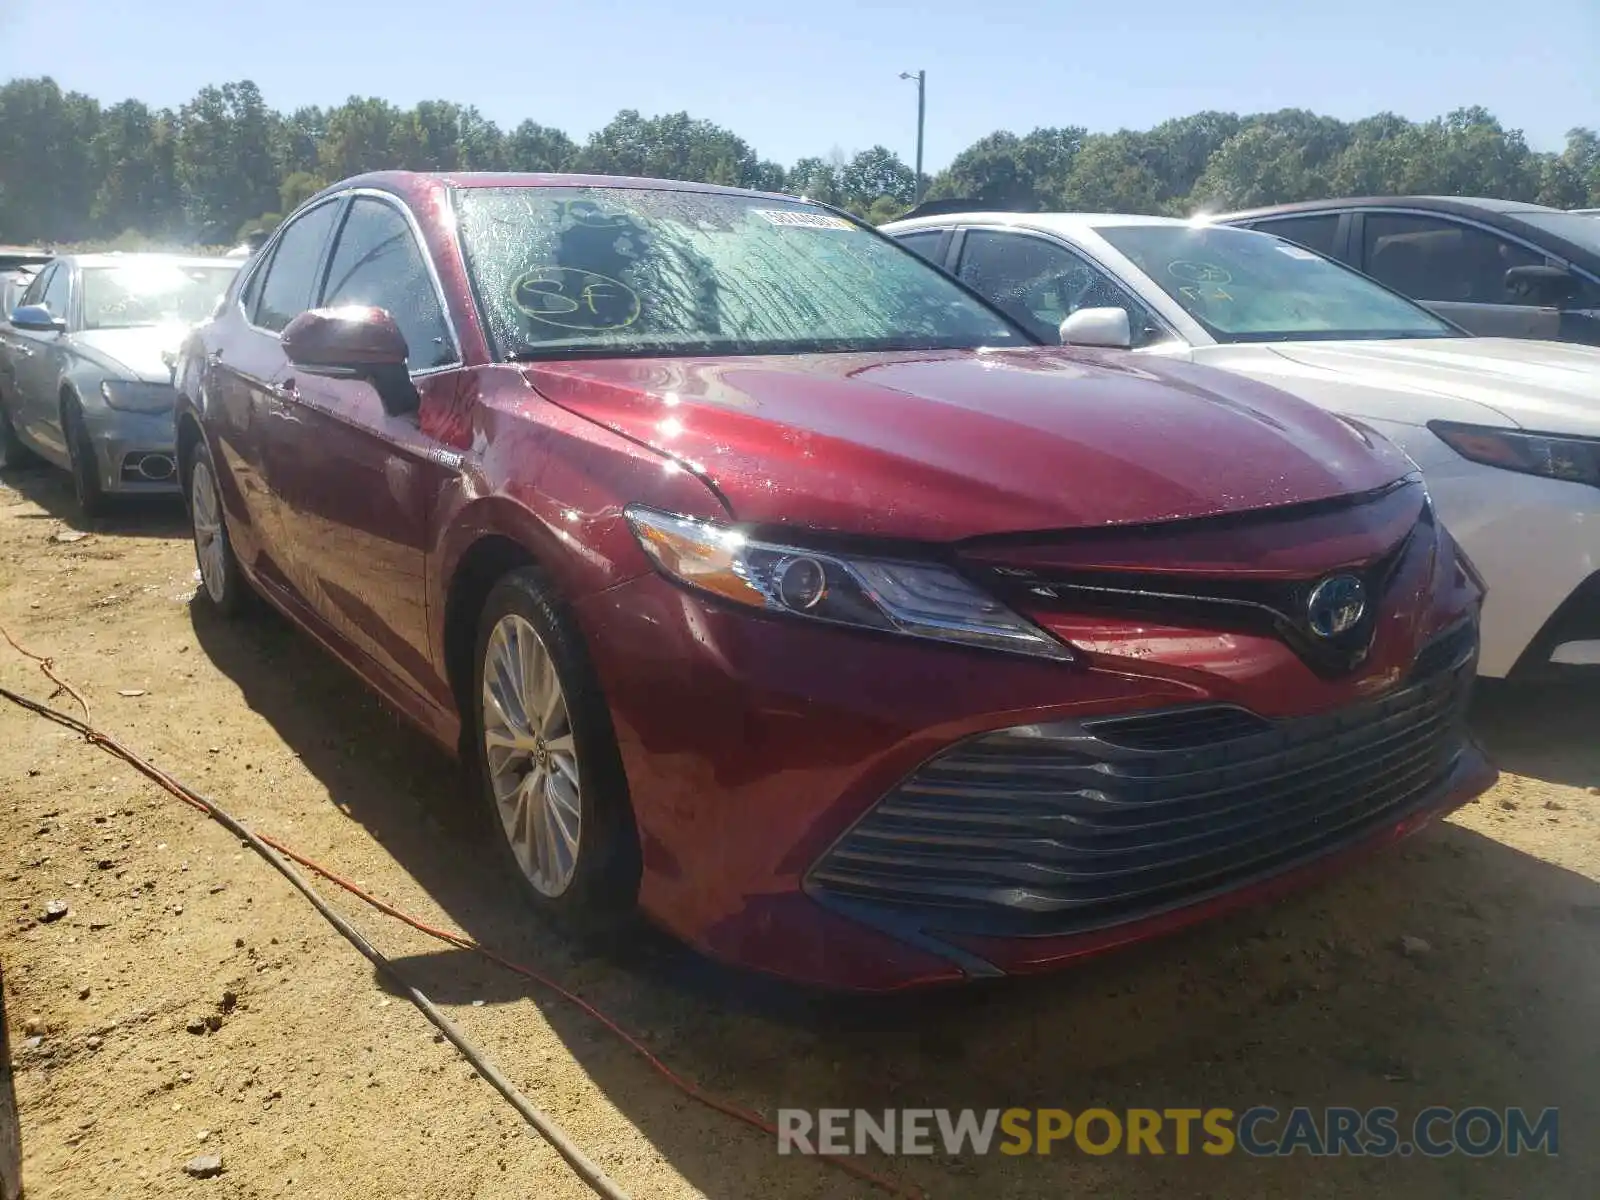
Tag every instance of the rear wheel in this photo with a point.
(548, 766)
(221, 581)
(92, 499)
(12, 452)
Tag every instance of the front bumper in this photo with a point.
(1537, 543)
(135, 453)
(760, 752)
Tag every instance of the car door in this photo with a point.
(357, 484)
(16, 353)
(1038, 281)
(245, 377)
(1457, 269)
(41, 359)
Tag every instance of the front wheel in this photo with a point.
(220, 578)
(92, 499)
(548, 765)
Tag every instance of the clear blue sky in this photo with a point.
(803, 78)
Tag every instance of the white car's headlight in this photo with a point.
(916, 599)
(127, 395)
(1576, 459)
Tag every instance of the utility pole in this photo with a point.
(922, 91)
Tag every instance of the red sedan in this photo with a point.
(774, 584)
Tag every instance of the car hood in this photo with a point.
(1550, 386)
(132, 353)
(952, 444)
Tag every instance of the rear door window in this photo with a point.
(1315, 231)
(291, 276)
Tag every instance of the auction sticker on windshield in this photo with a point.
(802, 220)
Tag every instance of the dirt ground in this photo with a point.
(319, 1082)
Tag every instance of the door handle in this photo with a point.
(215, 356)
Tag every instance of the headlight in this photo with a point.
(917, 599)
(126, 395)
(1576, 459)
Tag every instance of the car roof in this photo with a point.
(1060, 222)
(1461, 205)
(117, 258)
(413, 184)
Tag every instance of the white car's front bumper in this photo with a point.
(1537, 544)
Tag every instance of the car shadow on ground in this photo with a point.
(129, 516)
(1313, 1001)
(1549, 731)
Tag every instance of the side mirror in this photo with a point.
(1098, 327)
(1542, 284)
(38, 318)
(356, 342)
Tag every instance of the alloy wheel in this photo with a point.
(210, 548)
(531, 755)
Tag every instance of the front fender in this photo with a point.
(555, 485)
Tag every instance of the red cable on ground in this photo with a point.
(194, 800)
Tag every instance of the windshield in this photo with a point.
(134, 294)
(1579, 228)
(620, 271)
(1244, 286)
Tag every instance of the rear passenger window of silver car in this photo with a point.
(291, 276)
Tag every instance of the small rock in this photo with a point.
(99, 924)
(54, 910)
(1509, 805)
(132, 692)
(221, 887)
(95, 1042)
(202, 1135)
(33, 1043)
(229, 999)
(185, 1076)
(1593, 791)
(177, 910)
(203, 1166)
(105, 864)
(83, 993)
(213, 1022)
(1414, 947)
(196, 1025)
(35, 1025)
(1555, 805)
(238, 943)
(67, 535)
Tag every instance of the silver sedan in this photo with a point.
(84, 380)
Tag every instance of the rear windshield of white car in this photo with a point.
(1244, 286)
(568, 271)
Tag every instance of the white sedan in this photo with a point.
(1506, 432)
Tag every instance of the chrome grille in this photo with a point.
(1078, 825)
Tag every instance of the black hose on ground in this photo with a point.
(586, 1170)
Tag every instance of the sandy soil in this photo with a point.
(318, 1082)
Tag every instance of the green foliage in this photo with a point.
(225, 164)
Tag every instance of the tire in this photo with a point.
(10, 1125)
(92, 499)
(589, 878)
(221, 581)
(12, 452)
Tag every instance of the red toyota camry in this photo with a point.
(771, 582)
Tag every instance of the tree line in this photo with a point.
(225, 163)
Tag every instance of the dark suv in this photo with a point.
(1494, 267)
